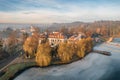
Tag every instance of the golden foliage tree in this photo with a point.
(43, 55)
(81, 48)
(84, 46)
(30, 45)
(65, 52)
(89, 44)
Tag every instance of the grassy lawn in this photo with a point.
(12, 70)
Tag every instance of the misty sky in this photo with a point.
(49, 11)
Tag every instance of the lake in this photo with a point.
(93, 67)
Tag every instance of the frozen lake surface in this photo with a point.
(93, 67)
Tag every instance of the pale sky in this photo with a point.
(61, 11)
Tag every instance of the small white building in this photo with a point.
(76, 37)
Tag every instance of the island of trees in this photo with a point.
(65, 52)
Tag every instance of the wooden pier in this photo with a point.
(102, 52)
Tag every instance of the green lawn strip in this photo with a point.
(13, 69)
(17, 68)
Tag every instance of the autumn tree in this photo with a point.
(64, 30)
(1, 44)
(89, 44)
(65, 51)
(35, 31)
(84, 46)
(31, 43)
(30, 46)
(11, 43)
(23, 37)
(3, 53)
(43, 55)
(81, 48)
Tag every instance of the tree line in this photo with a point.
(64, 52)
(106, 28)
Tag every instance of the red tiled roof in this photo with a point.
(56, 35)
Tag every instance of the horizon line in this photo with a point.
(59, 22)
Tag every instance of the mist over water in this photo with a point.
(20, 25)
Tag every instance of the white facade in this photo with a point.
(55, 41)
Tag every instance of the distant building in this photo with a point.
(56, 38)
(76, 37)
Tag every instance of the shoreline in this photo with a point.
(54, 64)
(102, 68)
(35, 66)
